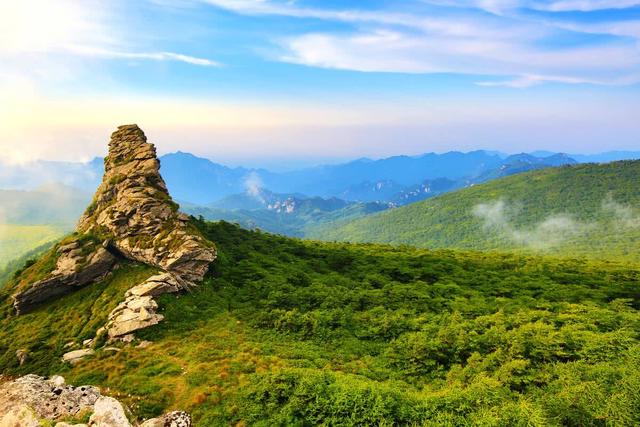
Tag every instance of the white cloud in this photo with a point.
(500, 7)
(153, 56)
(583, 5)
(76, 27)
(523, 48)
(388, 51)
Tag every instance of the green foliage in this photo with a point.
(286, 332)
(74, 317)
(596, 207)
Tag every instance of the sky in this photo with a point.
(271, 82)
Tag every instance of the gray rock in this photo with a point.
(45, 398)
(108, 412)
(76, 356)
(177, 419)
(172, 419)
(73, 270)
(19, 416)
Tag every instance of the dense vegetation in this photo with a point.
(587, 210)
(307, 216)
(287, 332)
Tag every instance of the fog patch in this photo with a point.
(553, 230)
(253, 186)
(622, 216)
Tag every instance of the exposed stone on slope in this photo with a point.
(29, 399)
(172, 419)
(47, 399)
(133, 213)
(76, 356)
(138, 310)
(108, 412)
(78, 264)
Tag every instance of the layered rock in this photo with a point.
(79, 263)
(133, 205)
(133, 216)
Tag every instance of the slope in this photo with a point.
(287, 332)
(588, 210)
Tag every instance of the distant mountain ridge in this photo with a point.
(201, 181)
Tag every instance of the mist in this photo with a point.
(499, 217)
(253, 185)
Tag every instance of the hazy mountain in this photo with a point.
(288, 214)
(201, 181)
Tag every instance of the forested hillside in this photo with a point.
(288, 332)
(587, 210)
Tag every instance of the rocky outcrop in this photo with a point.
(138, 310)
(172, 419)
(134, 207)
(76, 356)
(48, 399)
(28, 400)
(108, 412)
(132, 216)
(79, 263)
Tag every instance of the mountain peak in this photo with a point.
(132, 216)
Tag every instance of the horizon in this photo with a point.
(290, 165)
(246, 81)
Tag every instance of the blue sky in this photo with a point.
(269, 81)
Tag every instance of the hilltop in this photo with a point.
(578, 210)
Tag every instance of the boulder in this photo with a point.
(20, 416)
(172, 419)
(48, 399)
(108, 412)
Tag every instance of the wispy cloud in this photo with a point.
(99, 52)
(81, 28)
(530, 49)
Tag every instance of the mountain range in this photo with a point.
(200, 181)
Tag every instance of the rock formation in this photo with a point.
(79, 263)
(132, 216)
(48, 399)
(28, 400)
